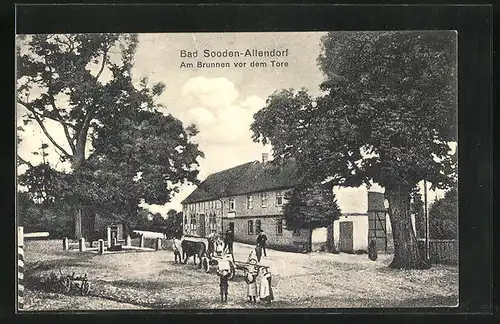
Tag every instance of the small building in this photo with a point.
(246, 199)
(354, 230)
(93, 226)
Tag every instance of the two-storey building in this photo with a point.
(246, 199)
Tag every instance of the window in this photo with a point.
(263, 199)
(249, 202)
(193, 222)
(279, 226)
(212, 221)
(279, 198)
(258, 226)
(296, 232)
(250, 227)
(231, 203)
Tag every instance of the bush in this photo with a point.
(55, 218)
(443, 217)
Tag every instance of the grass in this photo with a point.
(136, 280)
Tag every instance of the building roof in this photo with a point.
(244, 179)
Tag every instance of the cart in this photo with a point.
(210, 262)
(79, 283)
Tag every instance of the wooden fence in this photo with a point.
(441, 251)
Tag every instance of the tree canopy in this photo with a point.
(121, 145)
(311, 206)
(387, 115)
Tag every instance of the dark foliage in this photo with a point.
(388, 112)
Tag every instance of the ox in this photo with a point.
(192, 247)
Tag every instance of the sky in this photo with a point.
(220, 101)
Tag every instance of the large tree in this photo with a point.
(121, 147)
(387, 115)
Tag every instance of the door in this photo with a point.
(346, 237)
(201, 229)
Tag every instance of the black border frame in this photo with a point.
(474, 25)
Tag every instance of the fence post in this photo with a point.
(20, 268)
(100, 246)
(65, 244)
(141, 241)
(128, 240)
(108, 236)
(81, 244)
(158, 244)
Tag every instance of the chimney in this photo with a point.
(264, 157)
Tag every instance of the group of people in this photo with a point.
(224, 246)
(218, 245)
(264, 290)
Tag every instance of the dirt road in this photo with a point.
(319, 280)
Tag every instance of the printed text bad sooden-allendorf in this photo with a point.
(251, 52)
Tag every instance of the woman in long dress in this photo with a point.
(266, 290)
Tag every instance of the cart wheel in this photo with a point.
(66, 283)
(85, 288)
(206, 264)
(231, 271)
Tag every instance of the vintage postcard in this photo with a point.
(276, 170)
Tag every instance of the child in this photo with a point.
(266, 290)
(223, 270)
(251, 280)
(255, 254)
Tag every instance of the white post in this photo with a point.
(426, 222)
(81, 244)
(108, 236)
(100, 246)
(128, 241)
(158, 244)
(65, 244)
(20, 268)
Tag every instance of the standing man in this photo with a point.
(211, 243)
(261, 241)
(228, 241)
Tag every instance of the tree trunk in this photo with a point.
(78, 157)
(406, 253)
(330, 238)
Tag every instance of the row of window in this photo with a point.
(263, 200)
(212, 219)
(258, 227)
(194, 227)
(216, 204)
